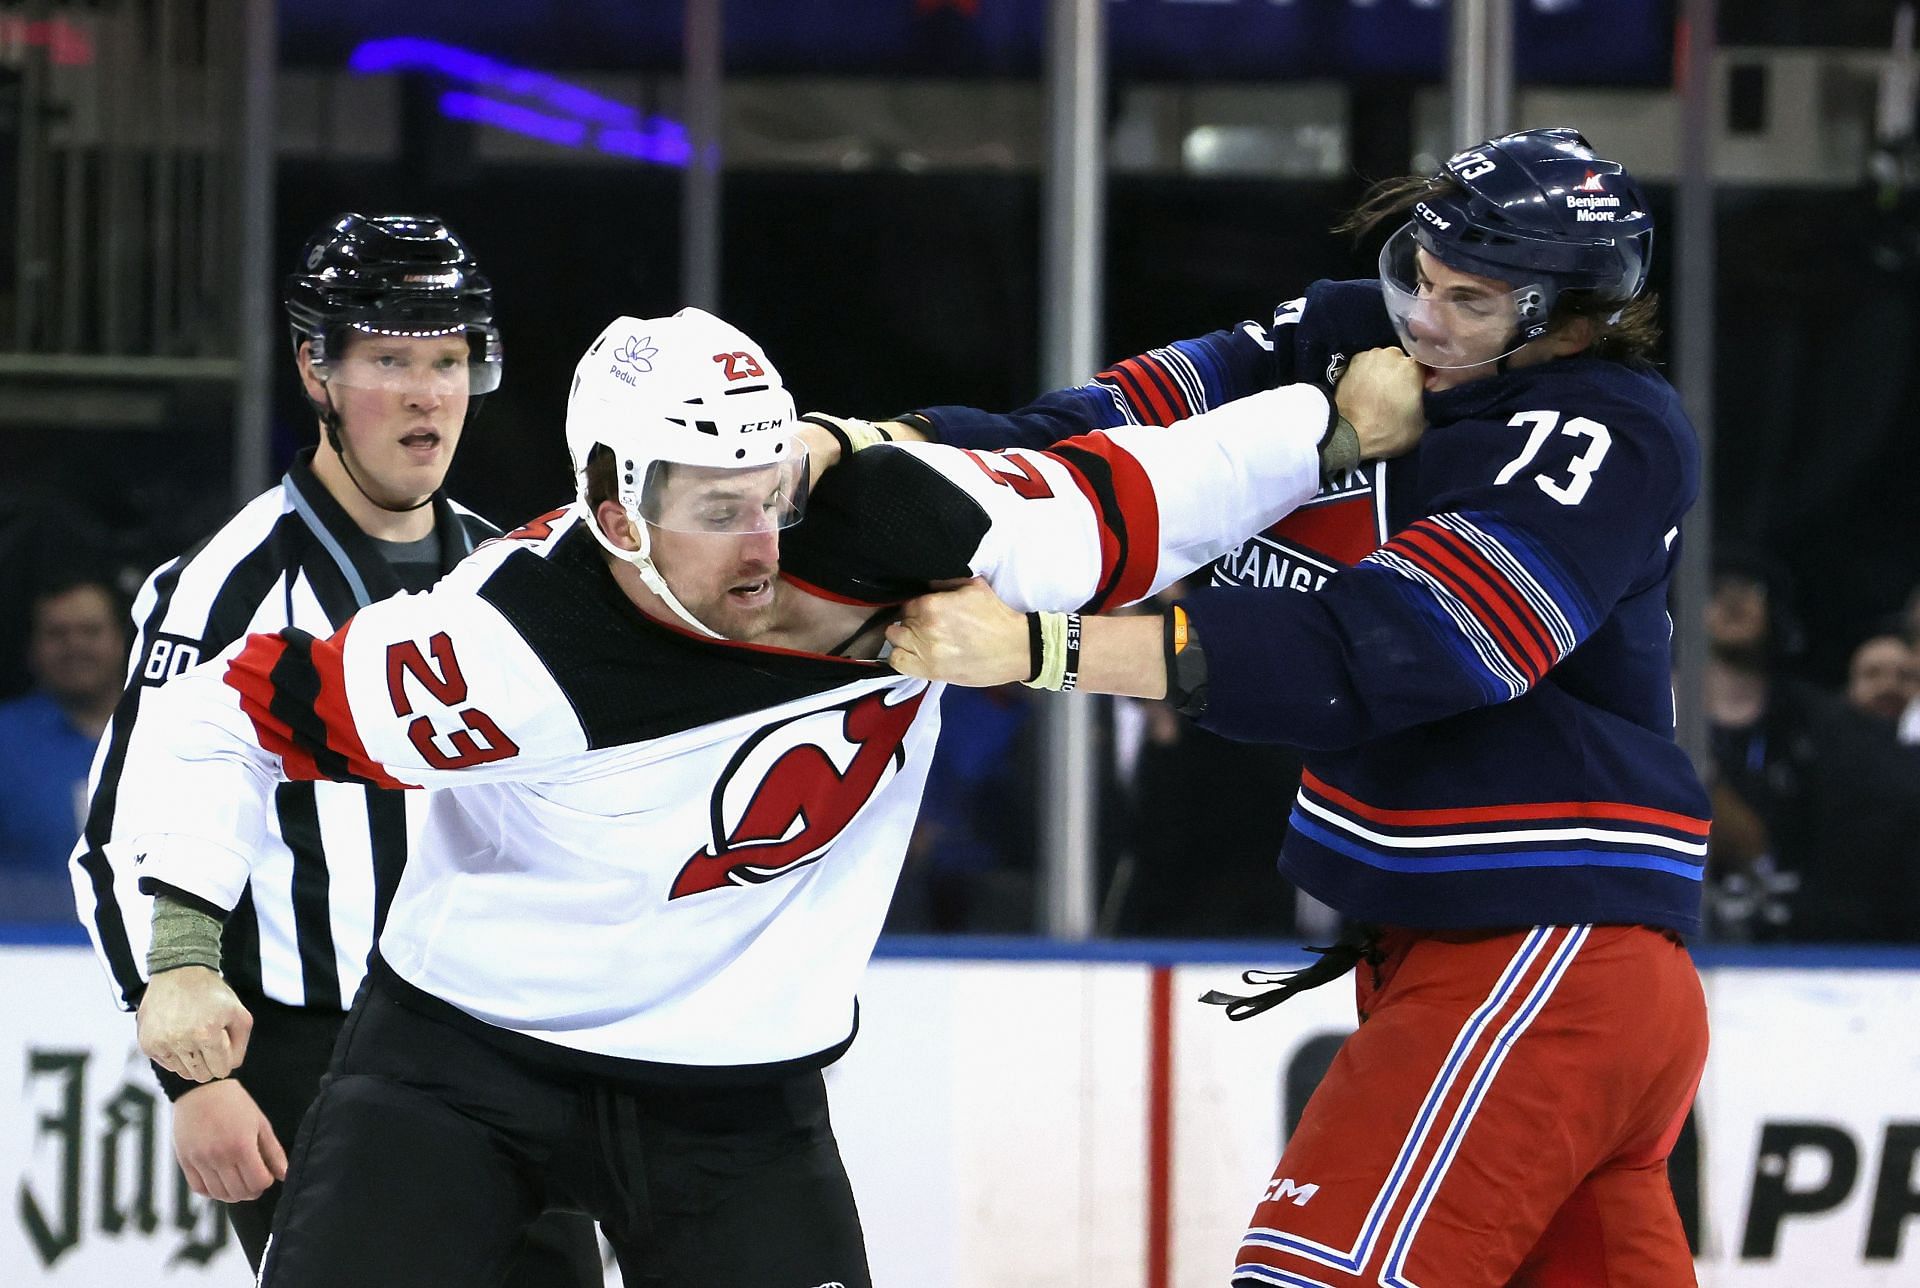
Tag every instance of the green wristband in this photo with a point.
(1340, 449)
(182, 936)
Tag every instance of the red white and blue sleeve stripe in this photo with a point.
(1158, 387)
(1499, 600)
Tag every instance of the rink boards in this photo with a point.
(1016, 1113)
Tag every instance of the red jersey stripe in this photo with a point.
(1502, 597)
(1487, 595)
(336, 716)
(1151, 409)
(1139, 512)
(255, 674)
(1109, 542)
(1548, 811)
(1154, 371)
(251, 675)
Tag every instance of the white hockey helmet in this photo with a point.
(679, 397)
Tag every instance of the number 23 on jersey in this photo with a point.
(442, 679)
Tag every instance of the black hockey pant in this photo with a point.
(286, 1059)
(430, 1151)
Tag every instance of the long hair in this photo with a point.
(1623, 333)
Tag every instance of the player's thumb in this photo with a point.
(271, 1152)
(904, 656)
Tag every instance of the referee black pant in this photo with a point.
(431, 1149)
(287, 1057)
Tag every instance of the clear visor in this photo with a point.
(1451, 320)
(726, 501)
(458, 362)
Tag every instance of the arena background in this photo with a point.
(877, 213)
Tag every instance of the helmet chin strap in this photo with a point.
(649, 574)
(330, 418)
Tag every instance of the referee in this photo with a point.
(394, 339)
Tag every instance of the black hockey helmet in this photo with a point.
(1539, 210)
(403, 275)
(1541, 205)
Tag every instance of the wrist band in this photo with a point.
(1339, 448)
(851, 434)
(1036, 648)
(1057, 653)
(832, 427)
(1070, 670)
(182, 936)
(865, 434)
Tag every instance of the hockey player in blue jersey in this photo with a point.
(1480, 674)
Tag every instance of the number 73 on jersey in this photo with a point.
(1578, 472)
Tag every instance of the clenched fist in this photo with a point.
(192, 1024)
(966, 635)
(1380, 396)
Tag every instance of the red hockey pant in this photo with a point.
(1502, 1116)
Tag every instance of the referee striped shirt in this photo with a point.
(302, 932)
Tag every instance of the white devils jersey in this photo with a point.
(651, 845)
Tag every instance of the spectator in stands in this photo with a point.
(1816, 811)
(76, 654)
(1883, 677)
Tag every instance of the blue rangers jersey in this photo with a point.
(1479, 669)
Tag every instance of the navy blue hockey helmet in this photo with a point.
(1538, 210)
(400, 275)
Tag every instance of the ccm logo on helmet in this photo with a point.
(1428, 213)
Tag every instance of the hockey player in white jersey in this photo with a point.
(680, 793)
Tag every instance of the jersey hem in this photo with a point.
(553, 1057)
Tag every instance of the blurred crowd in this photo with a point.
(1816, 788)
(1816, 791)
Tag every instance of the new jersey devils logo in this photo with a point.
(789, 796)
